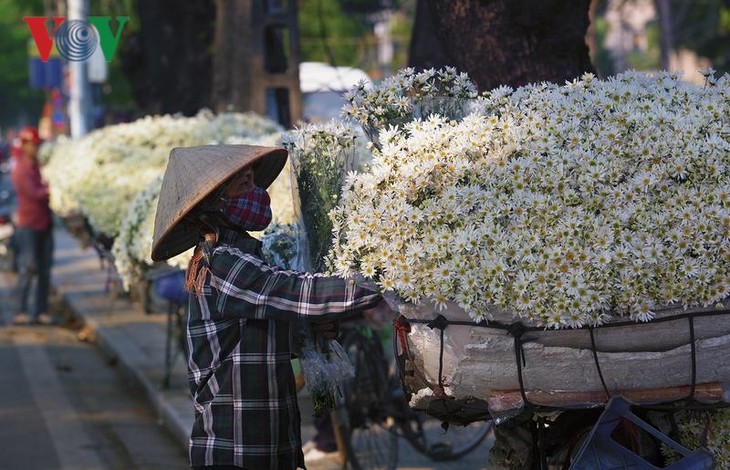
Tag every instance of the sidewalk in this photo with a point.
(134, 340)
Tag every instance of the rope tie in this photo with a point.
(693, 349)
(598, 365)
(440, 322)
(516, 330)
(402, 328)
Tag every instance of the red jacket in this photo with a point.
(32, 195)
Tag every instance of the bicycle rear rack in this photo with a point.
(601, 452)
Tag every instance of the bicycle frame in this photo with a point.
(376, 399)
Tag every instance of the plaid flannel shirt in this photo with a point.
(239, 352)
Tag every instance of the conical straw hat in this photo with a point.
(192, 174)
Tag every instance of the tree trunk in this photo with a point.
(231, 61)
(504, 42)
(168, 61)
(426, 50)
(665, 29)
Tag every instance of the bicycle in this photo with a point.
(372, 412)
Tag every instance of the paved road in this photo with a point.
(63, 406)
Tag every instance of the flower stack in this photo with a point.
(540, 221)
(112, 177)
(321, 156)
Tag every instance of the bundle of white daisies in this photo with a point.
(112, 176)
(567, 205)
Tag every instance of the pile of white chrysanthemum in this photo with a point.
(407, 95)
(112, 176)
(567, 205)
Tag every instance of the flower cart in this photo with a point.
(555, 247)
(105, 185)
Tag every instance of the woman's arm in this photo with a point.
(246, 286)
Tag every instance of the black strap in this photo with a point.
(598, 365)
(440, 322)
(693, 351)
(517, 329)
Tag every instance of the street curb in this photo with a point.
(109, 346)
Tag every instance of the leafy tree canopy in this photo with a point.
(329, 35)
(703, 26)
(19, 104)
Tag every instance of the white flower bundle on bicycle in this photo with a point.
(320, 157)
(112, 177)
(558, 207)
(567, 205)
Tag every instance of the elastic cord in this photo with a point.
(517, 329)
(441, 323)
(598, 365)
(693, 350)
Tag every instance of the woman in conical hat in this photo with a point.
(240, 309)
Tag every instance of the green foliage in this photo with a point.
(18, 101)
(649, 59)
(602, 60)
(340, 32)
(402, 27)
(117, 92)
(703, 26)
(329, 35)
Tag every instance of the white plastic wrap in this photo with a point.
(649, 362)
(325, 367)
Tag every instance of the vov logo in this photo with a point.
(75, 40)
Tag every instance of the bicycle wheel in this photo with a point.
(427, 435)
(363, 427)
